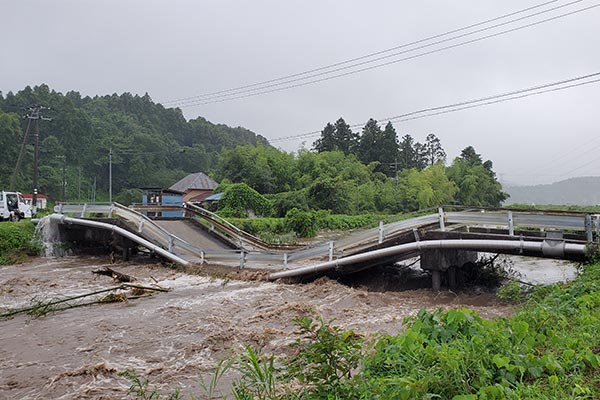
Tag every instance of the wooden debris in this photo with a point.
(40, 308)
(118, 276)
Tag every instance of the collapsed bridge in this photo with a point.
(445, 240)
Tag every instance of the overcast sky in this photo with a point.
(181, 48)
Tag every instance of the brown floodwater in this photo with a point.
(174, 338)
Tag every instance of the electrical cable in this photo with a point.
(361, 57)
(460, 44)
(463, 105)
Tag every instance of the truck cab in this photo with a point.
(13, 207)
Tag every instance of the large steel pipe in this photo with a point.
(475, 245)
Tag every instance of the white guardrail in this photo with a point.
(147, 228)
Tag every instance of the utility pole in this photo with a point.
(35, 115)
(396, 170)
(63, 195)
(79, 184)
(64, 182)
(110, 176)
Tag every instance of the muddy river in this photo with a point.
(174, 337)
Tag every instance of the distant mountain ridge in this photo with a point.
(583, 191)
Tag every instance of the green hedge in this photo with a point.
(16, 241)
(305, 223)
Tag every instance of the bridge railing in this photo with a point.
(336, 248)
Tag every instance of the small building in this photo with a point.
(211, 203)
(42, 200)
(195, 187)
(164, 197)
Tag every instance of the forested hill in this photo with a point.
(152, 145)
(577, 191)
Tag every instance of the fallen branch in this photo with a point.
(155, 288)
(42, 308)
(114, 274)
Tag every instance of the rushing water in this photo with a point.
(173, 338)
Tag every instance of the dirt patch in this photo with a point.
(174, 337)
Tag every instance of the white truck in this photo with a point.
(13, 207)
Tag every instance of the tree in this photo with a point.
(337, 137)
(435, 152)
(345, 139)
(470, 156)
(11, 138)
(330, 194)
(327, 141)
(406, 153)
(367, 145)
(387, 144)
(265, 169)
(476, 181)
(421, 156)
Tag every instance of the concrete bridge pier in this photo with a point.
(445, 261)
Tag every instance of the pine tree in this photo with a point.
(345, 139)
(327, 140)
(434, 149)
(367, 145)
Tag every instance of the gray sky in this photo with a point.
(180, 48)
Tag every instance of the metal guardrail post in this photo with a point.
(110, 211)
(202, 255)
(141, 225)
(285, 260)
(441, 217)
(242, 259)
(82, 210)
(170, 245)
(331, 250)
(511, 228)
(589, 228)
(380, 237)
(416, 233)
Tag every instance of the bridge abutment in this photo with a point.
(441, 261)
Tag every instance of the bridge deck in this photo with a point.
(193, 234)
(191, 240)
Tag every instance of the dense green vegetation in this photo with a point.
(305, 223)
(343, 184)
(151, 145)
(550, 349)
(346, 173)
(16, 241)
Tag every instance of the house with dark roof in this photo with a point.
(195, 187)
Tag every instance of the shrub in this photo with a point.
(16, 241)
(284, 202)
(301, 222)
(240, 200)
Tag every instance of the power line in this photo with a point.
(463, 105)
(567, 155)
(326, 78)
(337, 64)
